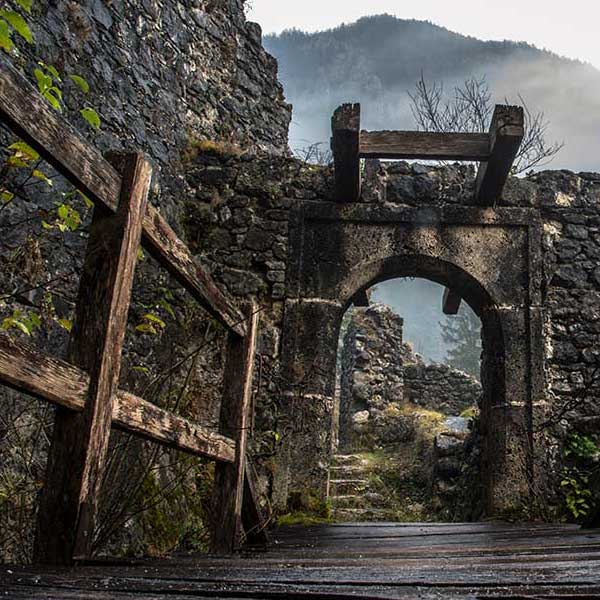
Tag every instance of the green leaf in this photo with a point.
(88, 203)
(24, 149)
(52, 99)
(66, 324)
(18, 23)
(70, 218)
(80, 82)
(35, 319)
(155, 319)
(25, 5)
(16, 161)
(39, 175)
(52, 70)
(6, 196)
(140, 254)
(6, 42)
(141, 369)
(91, 116)
(146, 328)
(44, 82)
(47, 225)
(164, 304)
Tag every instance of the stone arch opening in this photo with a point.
(493, 359)
(486, 257)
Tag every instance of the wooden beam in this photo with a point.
(451, 302)
(24, 110)
(424, 145)
(361, 299)
(56, 381)
(506, 134)
(80, 441)
(235, 408)
(345, 145)
(253, 519)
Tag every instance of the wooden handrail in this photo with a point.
(24, 110)
(62, 384)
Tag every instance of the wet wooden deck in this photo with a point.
(366, 561)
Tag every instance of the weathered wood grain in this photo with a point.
(400, 145)
(62, 384)
(506, 134)
(29, 116)
(345, 145)
(400, 567)
(451, 302)
(77, 456)
(234, 421)
(254, 520)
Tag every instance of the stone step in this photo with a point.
(363, 514)
(366, 500)
(347, 459)
(347, 486)
(349, 470)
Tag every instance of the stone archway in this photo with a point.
(490, 257)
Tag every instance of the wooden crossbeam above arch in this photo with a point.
(495, 150)
(422, 145)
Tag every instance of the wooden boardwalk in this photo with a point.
(366, 561)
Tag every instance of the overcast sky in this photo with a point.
(568, 28)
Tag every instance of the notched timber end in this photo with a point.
(345, 145)
(506, 134)
(451, 302)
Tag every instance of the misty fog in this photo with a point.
(377, 60)
(419, 303)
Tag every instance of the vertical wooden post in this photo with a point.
(229, 478)
(345, 145)
(451, 302)
(506, 134)
(77, 456)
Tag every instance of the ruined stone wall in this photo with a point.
(570, 206)
(440, 387)
(164, 72)
(380, 373)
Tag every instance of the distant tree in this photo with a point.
(469, 110)
(463, 334)
(317, 153)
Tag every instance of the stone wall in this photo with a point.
(440, 387)
(164, 74)
(380, 374)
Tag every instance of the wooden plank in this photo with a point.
(424, 145)
(506, 134)
(30, 117)
(62, 384)
(253, 519)
(345, 145)
(77, 456)
(451, 302)
(234, 419)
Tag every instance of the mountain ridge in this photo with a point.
(377, 59)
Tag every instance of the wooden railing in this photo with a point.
(84, 387)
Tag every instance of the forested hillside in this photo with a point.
(377, 60)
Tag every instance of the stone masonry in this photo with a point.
(167, 75)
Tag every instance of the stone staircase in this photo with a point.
(350, 493)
